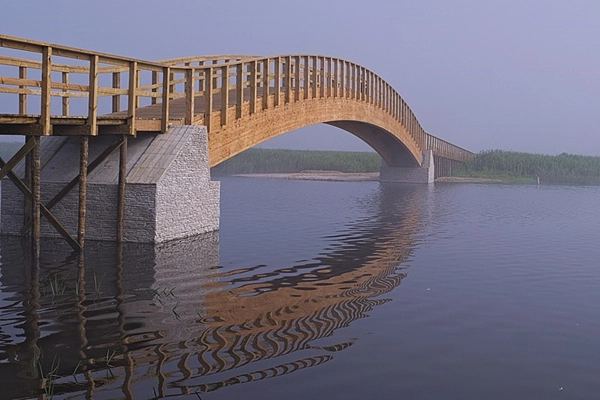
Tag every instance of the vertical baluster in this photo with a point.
(277, 63)
(224, 94)
(153, 100)
(116, 99)
(239, 89)
(253, 86)
(23, 96)
(65, 97)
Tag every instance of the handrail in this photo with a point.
(262, 83)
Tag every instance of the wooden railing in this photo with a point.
(226, 87)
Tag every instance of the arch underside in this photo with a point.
(373, 125)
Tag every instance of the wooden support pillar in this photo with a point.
(36, 167)
(83, 161)
(122, 187)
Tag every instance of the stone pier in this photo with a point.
(169, 194)
(423, 174)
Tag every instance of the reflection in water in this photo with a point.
(166, 320)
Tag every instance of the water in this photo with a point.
(338, 290)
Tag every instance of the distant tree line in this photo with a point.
(258, 160)
(563, 168)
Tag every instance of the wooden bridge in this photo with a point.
(53, 90)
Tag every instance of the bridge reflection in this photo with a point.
(167, 320)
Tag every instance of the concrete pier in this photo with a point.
(423, 174)
(169, 194)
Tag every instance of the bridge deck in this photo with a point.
(148, 118)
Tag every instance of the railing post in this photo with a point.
(266, 83)
(138, 83)
(166, 99)
(277, 62)
(208, 93)
(297, 77)
(189, 96)
(132, 97)
(46, 94)
(93, 96)
(315, 77)
(253, 86)
(239, 89)
(287, 79)
(224, 94)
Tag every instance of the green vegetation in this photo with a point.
(514, 166)
(284, 161)
(8, 149)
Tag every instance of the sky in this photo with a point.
(521, 75)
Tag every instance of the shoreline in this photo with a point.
(337, 176)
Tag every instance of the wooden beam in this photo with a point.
(266, 82)
(45, 95)
(189, 97)
(23, 151)
(122, 188)
(288, 79)
(132, 97)
(239, 89)
(166, 91)
(224, 94)
(83, 161)
(208, 97)
(92, 121)
(22, 97)
(65, 190)
(41, 209)
(253, 86)
(65, 99)
(36, 166)
(116, 99)
(277, 62)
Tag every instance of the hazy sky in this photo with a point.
(518, 75)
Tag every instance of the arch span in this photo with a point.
(371, 124)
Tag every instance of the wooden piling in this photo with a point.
(36, 197)
(122, 186)
(83, 161)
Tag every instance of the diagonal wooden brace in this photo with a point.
(23, 151)
(45, 212)
(93, 165)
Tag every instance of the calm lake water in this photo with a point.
(322, 290)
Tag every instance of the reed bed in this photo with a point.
(562, 168)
